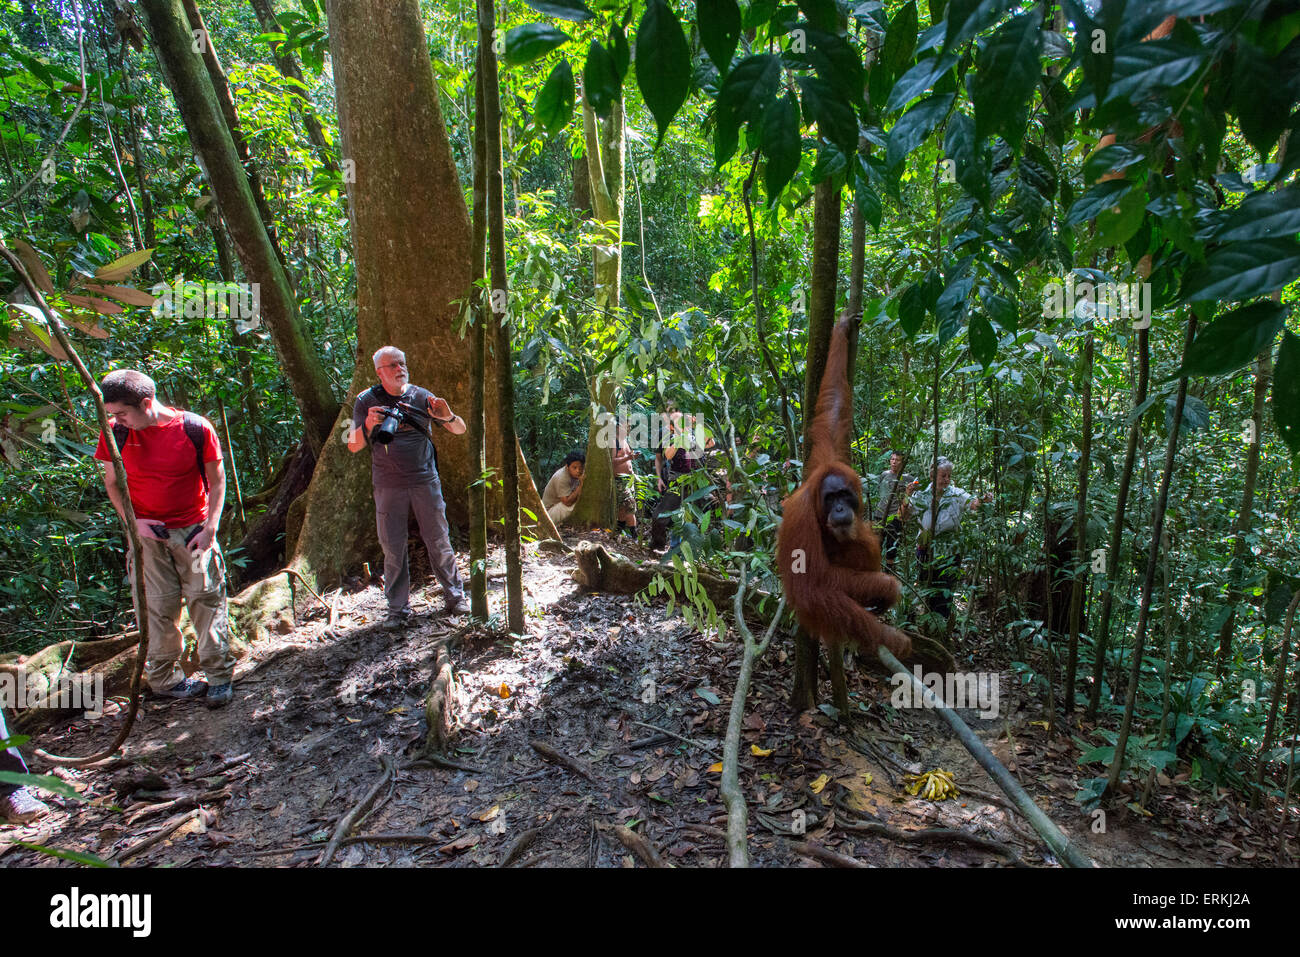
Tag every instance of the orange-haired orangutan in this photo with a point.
(829, 557)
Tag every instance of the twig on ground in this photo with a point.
(163, 833)
(579, 768)
(825, 855)
(635, 843)
(673, 734)
(358, 811)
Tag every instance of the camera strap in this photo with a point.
(382, 397)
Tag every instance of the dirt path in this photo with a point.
(594, 679)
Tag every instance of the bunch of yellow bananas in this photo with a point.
(936, 785)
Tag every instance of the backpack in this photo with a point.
(194, 431)
(380, 395)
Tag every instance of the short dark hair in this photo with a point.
(572, 457)
(127, 386)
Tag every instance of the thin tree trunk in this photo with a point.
(289, 67)
(1080, 530)
(496, 221)
(197, 102)
(1117, 528)
(1153, 559)
(478, 346)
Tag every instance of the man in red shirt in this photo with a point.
(178, 488)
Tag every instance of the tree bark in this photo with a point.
(499, 299)
(1080, 531)
(197, 102)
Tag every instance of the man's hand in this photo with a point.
(150, 529)
(203, 540)
(374, 415)
(439, 409)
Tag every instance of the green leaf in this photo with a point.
(555, 100)
(1262, 216)
(950, 310)
(719, 22)
(1117, 225)
(835, 119)
(663, 64)
(781, 145)
(900, 40)
(1141, 68)
(1261, 103)
(1116, 157)
(915, 125)
(971, 164)
(1233, 340)
(46, 782)
(1097, 198)
(574, 10)
(531, 41)
(912, 309)
(618, 49)
(1243, 270)
(746, 91)
(821, 13)
(968, 17)
(1286, 391)
(122, 267)
(918, 79)
(77, 857)
(869, 201)
(983, 340)
(600, 83)
(1007, 75)
(1003, 310)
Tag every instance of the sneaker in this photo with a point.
(219, 695)
(458, 607)
(398, 619)
(22, 807)
(189, 688)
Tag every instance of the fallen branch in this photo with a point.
(931, 835)
(165, 832)
(523, 843)
(349, 820)
(440, 704)
(1044, 825)
(579, 768)
(729, 788)
(440, 761)
(825, 855)
(392, 839)
(673, 734)
(634, 842)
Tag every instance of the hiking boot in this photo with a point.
(458, 607)
(219, 695)
(398, 619)
(189, 688)
(22, 807)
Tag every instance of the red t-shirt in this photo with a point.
(162, 471)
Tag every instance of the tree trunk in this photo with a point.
(289, 67)
(1245, 514)
(496, 223)
(1080, 531)
(227, 103)
(1153, 557)
(197, 102)
(1117, 528)
(821, 322)
(605, 153)
(478, 354)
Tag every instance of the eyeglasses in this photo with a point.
(393, 365)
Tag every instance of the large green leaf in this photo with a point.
(1243, 270)
(1008, 72)
(951, 308)
(834, 117)
(915, 125)
(531, 41)
(900, 40)
(918, 79)
(983, 340)
(1264, 215)
(1286, 391)
(912, 309)
(663, 64)
(1260, 101)
(1231, 341)
(1144, 66)
(719, 22)
(781, 143)
(574, 10)
(747, 90)
(1096, 199)
(971, 165)
(555, 100)
(600, 84)
(968, 17)
(820, 13)
(618, 50)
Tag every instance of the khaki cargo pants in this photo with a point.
(173, 572)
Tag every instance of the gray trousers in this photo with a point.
(393, 507)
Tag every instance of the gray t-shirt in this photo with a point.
(408, 459)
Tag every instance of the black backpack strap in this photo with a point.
(197, 435)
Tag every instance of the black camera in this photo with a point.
(393, 417)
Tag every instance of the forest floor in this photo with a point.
(301, 744)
